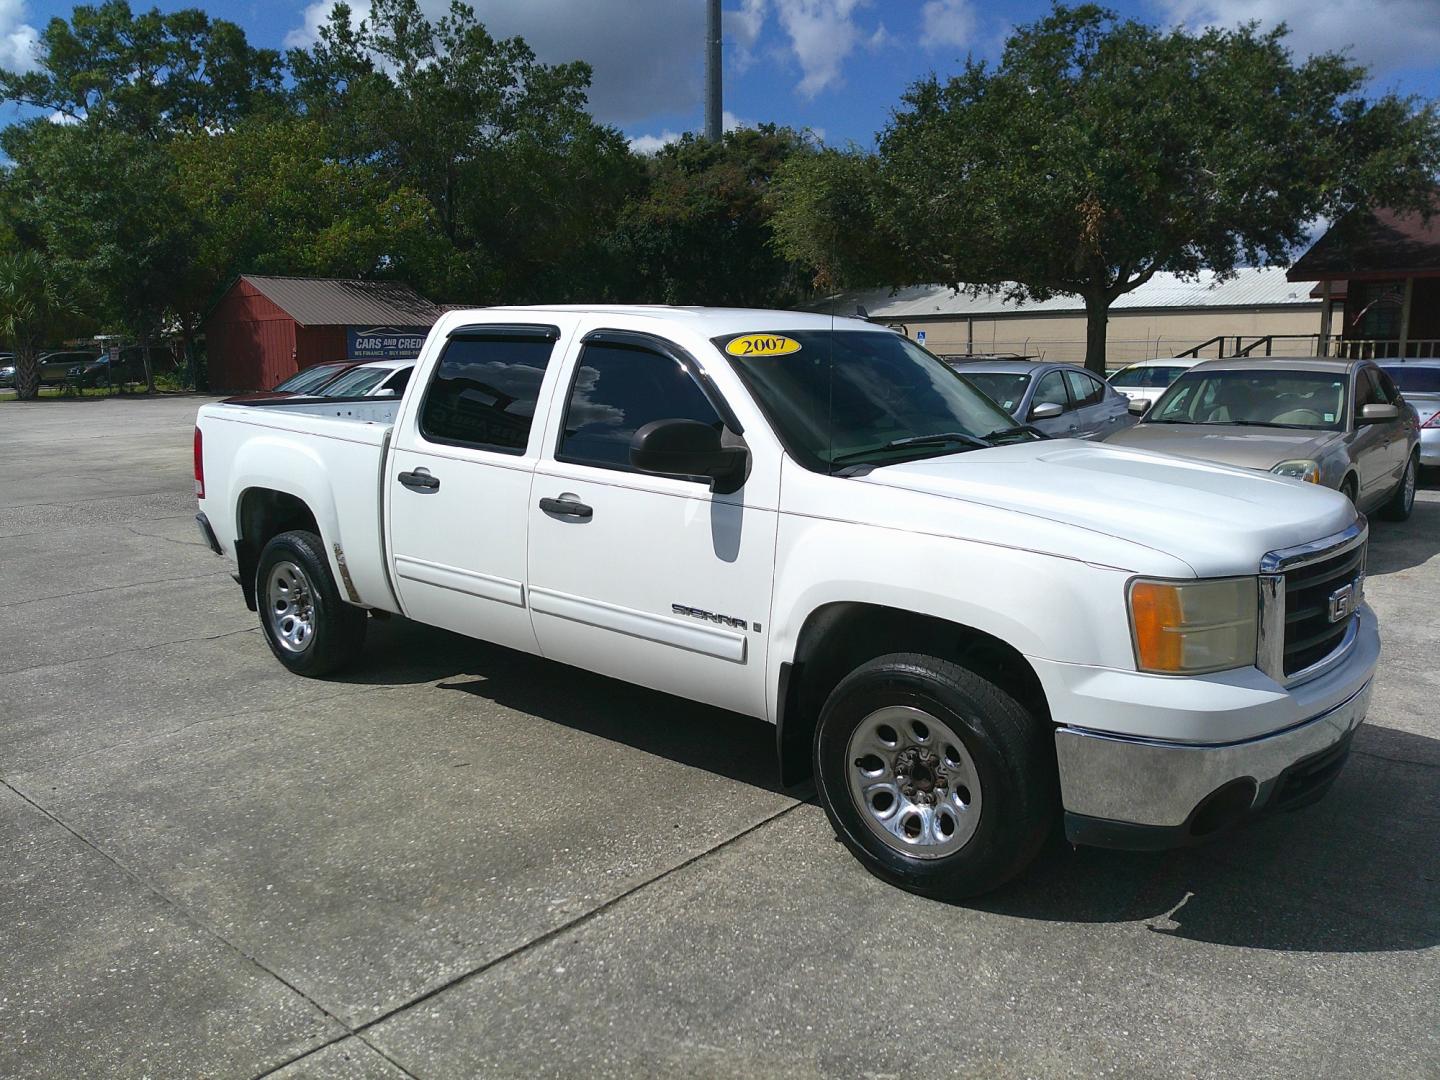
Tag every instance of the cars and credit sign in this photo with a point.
(384, 342)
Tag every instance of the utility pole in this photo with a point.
(713, 113)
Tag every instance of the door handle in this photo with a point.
(419, 480)
(571, 508)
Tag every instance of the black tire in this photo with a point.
(330, 632)
(1402, 501)
(1011, 752)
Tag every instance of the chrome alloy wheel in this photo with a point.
(914, 782)
(290, 607)
(1408, 498)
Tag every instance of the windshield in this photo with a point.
(1415, 378)
(849, 397)
(1286, 399)
(1142, 377)
(1005, 388)
(309, 379)
(357, 382)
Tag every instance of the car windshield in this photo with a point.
(1005, 388)
(311, 378)
(357, 382)
(1282, 398)
(1146, 377)
(855, 397)
(1415, 378)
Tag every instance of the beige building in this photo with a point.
(1163, 317)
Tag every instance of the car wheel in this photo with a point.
(934, 777)
(308, 627)
(1402, 502)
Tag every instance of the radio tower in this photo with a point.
(713, 108)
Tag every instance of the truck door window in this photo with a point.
(484, 390)
(618, 389)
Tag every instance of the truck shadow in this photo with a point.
(1356, 872)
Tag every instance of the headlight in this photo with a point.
(1299, 469)
(1188, 628)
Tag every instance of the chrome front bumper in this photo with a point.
(1144, 793)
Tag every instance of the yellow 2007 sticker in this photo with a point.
(761, 345)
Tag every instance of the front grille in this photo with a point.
(1310, 636)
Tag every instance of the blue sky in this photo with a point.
(836, 66)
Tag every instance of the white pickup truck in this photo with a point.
(959, 628)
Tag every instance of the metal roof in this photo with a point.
(1251, 287)
(340, 302)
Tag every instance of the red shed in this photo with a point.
(264, 329)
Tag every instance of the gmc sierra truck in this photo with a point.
(965, 632)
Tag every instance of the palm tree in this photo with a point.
(31, 304)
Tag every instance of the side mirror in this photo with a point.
(1378, 413)
(1046, 410)
(689, 448)
(1139, 406)
(384, 393)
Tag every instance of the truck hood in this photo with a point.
(1229, 444)
(1217, 520)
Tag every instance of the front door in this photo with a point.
(1374, 445)
(1050, 390)
(459, 483)
(651, 579)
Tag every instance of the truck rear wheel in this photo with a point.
(934, 777)
(308, 627)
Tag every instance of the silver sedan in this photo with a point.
(1063, 400)
(1341, 423)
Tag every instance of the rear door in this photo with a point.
(1093, 413)
(458, 482)
(652, 579)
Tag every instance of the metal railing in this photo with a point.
(1383, 349)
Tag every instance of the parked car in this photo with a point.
(7, 371)
(55, 367)
(1062, 400)
(128, 368)
(377, 378)
(957, 626)
(1419, 382)
(1339, 423)
(1148, 379)
(307, 380)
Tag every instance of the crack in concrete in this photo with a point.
(113, 588)
(126, 652)
(538, 940)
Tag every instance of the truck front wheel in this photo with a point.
(934, 777)
(308, 627)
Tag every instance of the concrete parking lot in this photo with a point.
(458, 861)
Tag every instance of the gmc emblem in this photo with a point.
(1342, 602)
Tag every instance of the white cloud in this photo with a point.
(947, 24)
(63, 119)
(822, 34)
(741, 29)
(17, 37)
(317, 15)
(1385, 34)
(652, 144)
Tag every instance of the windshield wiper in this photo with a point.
(938, 439)
(1158, 420)
(1268, 423)
(1018, 429)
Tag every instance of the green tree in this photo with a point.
(500, 146)
(33, 309)
(1099, 152)
(701, 231)
(105, 208)
(147, 73)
